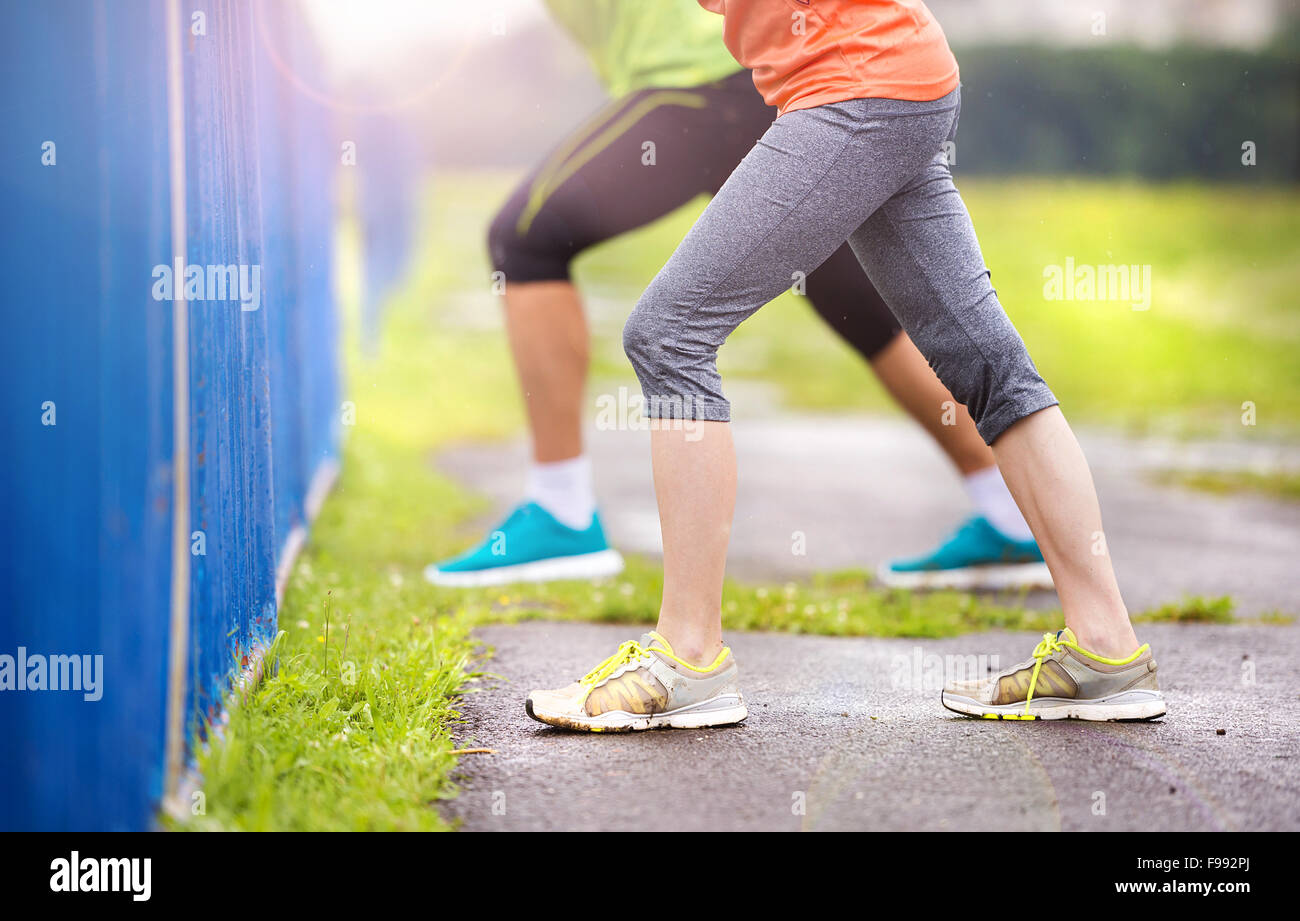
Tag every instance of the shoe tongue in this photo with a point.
(1066, 635)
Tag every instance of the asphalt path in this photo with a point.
(848, 734)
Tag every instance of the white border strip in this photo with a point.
(322, 481)
(174, 751)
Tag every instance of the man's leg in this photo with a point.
(549, 218)
(903, 371)
(850, 305)
(592, 188)
(994, 548)
(547, 329)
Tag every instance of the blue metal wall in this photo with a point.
(86, 503)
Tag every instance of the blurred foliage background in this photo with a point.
(1157, 97)
(1128, 111)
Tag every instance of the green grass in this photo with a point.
(353, 730)
(1276, 484)
(1193, 610)
(839, 603)
(311, 749)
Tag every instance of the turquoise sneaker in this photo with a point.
(976, 556)
(530, 546)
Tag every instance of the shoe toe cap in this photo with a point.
(562, 700)
(974, 689)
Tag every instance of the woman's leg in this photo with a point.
(814, 176)
(1047, 473)
(921, 251)
(695, 485)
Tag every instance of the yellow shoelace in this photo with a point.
(1050, 644)
(627, 652)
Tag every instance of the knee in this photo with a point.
(999, 390)
(642, 340)
(505, 244)
(675, 359)
(526, 252)
(655, 343)
(502, 238)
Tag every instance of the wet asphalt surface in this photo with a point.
(848, 734)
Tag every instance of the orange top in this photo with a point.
(807, 53)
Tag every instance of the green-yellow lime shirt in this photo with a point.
(647, 44)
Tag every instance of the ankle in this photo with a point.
(699, 649)
(564, 488)
(699, 656)
(1111, 640)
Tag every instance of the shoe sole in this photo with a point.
(599, 565)
(993, 577)
(1127, 706)
(723, 710)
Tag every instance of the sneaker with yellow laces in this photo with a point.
(645, 685)
(1064, 681)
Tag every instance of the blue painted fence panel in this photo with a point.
(86, 382)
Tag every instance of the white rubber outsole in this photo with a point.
(599, 565)
(1128, 705)
(724, 710)
(996, 577)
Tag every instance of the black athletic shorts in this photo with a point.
(643, 156)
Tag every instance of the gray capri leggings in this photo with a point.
(870, 171)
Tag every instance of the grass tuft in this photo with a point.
(1277, 484)
(1193, 610)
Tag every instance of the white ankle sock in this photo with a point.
(564, 488)
(991, 498)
